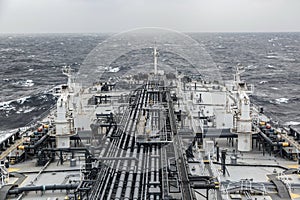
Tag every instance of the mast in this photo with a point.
(155, 60)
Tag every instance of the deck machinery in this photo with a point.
(168, 136)
(147, 153)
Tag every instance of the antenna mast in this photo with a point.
(155, 60)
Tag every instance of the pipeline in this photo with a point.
(103, 183)
(204, 186)
(38, 143)
(219, 135)
(124, 168)
(40, 172)
(132, 170)
(115, 149)
(82, 149)
(200, 178)
(152, 171)
(270, 142)
(139, 174)
(267, 139)
(133, 179)
(157, 170)
(42, 188)
(146, 168)
(256, 165)
(133, 123)
(51, 171)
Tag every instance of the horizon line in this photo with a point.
(115, 32)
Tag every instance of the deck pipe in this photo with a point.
(136, 189)
(116, 152)
(139, 174)
(113, 182)
(19, 190)
(204, 186)
(157, 170)
(132, 126)
(269, 141)
(71, 149)
(149, 167)
(113, 150)
(129, 192)
(146, 178)
(125, 165)
(131, 172)
(38, 143)
(152, 171)
(143, 174)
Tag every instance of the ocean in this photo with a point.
(31, 65)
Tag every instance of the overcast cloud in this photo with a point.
(23, 16)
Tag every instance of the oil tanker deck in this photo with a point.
(159, 136)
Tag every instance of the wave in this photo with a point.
(292, 123)
(6, 50)
(24, 83)
(251, 67)
(271, 57)
(282, 100)
(8, 105)
(271, 66)
(21, 111)
(263, 82)
(274, 88)
(29, 110)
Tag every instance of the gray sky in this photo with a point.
(35, 16)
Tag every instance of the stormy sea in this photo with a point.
(31, 65)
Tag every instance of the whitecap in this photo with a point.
(28, 83)
(220, 47)
(5, 105)
(271, 66)
(23, 99)
(263, 82)
(271, 57)
(30, 70)
(251, 67)
(29, 110)
(282, 100)
(6, 49)
(114, 70)
(292, 123)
